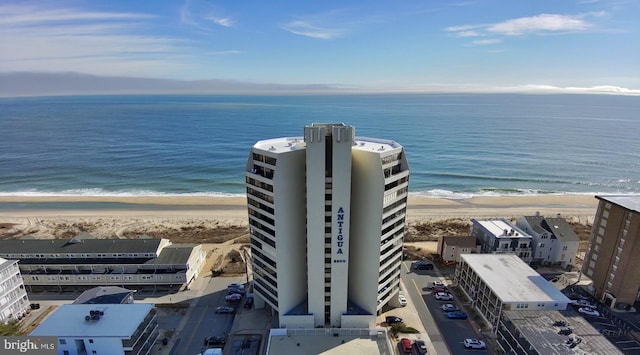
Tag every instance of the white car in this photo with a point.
(589, 311)
(449, 307)
(443, 296)
(402, 300)
(435, 284)
(474, 344)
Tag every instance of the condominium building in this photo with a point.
(326, 216)
(499, 236)
(114, 329)
(613, 258)
(554, 241)
(495, 283)
(85, 261)
(14, 302)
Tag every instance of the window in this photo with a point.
(65, 352)
(564, 247)
(91, 341)
(62, 341)
(94, 352)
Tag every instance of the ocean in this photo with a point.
(458, 146)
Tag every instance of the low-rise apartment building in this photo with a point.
(85, 262)
(14, 302)
(554, 241)
(112, 329)
(499, 236)
(497, 283)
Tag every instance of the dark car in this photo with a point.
(393, 320)
(421, 345)
(215, 340)
(423, 265)
(225, 309)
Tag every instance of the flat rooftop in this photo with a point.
(630, 202)
(287, 144)
(119, 320)
(497, 227)
(512, 279)
(537, 327)
(317, 341)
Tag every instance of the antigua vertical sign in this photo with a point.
(339, 255)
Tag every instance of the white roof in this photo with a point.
(119, 320)
(497, 227)
(512, 279)
(287, 144)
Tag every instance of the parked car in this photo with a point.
(421, 345)
(231, 291)
(449, 307)
(225, 309)
(457, 315)
(215, 340)
(234, 285)
(234, 297)
(406, 345)
(402, 300)
(435, 284)
(439, 289)
(443, 296)
(589, 311)
(584, 303)
(423, 265)
(474, 344)
(393, 320)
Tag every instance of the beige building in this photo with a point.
(451, 247)
(326, 218)
(613, 258)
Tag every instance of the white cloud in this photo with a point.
(17, 15)
(309, 29)
(468, 34)
(485, 42)
(69, 39)
(329, 25)
(224, 22)
(540, 23)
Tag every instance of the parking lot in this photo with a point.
(447, 334)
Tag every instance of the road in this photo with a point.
(202, 321)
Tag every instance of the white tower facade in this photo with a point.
(327, 216)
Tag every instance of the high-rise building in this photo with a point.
(613, 258)
(327, 218)
(14, 302)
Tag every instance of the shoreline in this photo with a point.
(235, 206)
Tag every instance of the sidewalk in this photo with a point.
(191, 297)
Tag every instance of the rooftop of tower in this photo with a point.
(287, 144)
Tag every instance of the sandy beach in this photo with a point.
(217, 219)
(234, 207)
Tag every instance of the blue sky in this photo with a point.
(408, 45)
